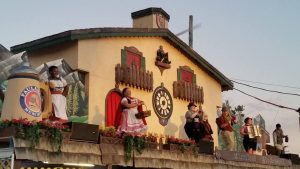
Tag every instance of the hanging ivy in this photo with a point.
(32, 134)
(128, 147)
(139, 144)
(131, 143)
(182, 147)
(31, 131)
(56, 137)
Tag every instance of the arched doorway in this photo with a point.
(113, 108)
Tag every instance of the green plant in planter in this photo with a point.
(4, 124)
(139, 144)
(32, 134)
(56, 137)
(194, 149)
(30, 130)
(182, 147)
(24, 130)
(128, 147)
(133, 142)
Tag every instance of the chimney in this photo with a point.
(150, 18)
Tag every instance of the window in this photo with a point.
(185, 87)
(131, 56)
(186, 74)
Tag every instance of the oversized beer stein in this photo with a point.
(26, 96)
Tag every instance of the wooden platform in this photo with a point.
(106, 154)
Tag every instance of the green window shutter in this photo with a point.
(143, 64)
(123, 57)
(194, 78)
(179, 74)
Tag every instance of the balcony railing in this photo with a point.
(188, 91)
(132, 76)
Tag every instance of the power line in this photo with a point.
(277, 105)
(270, 84)
(275, 118)
(274, 91)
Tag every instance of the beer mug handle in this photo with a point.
(47, 100)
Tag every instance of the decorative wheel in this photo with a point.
(162, 104)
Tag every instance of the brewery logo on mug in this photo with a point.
(30, 101)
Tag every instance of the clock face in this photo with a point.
(162, 104)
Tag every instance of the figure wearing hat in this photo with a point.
(192, 116)
(225, 122)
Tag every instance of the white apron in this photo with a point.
(129, 123)
(58, 100)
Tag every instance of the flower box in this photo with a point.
(8, 131)
(151, 145)
(110, 140)
(191, 149)
(171, 147)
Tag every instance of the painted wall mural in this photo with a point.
(8, 63)
(77, 100)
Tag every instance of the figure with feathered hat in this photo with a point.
(225, 123)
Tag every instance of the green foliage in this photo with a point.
(194, 149)
(81, 103)
(139, 144)
(133, 142)
(1, 104)
(128, 147)
(77, 101)
(4, 124)
(81, 119)
(182, 148)
(32, 134)
(70, 101)
(31, 131)
(238, 138)
(56, 137)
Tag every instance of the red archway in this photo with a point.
(113, 108)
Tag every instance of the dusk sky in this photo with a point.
(257, 40)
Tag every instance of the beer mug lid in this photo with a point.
(25, 69)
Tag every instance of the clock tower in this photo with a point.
(150, 18)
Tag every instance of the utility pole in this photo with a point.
(191, 31)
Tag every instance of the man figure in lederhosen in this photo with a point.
(225, 122)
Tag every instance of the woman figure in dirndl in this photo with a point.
(129, 123)
(59, 91)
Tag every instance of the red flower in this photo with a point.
(5, 121)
